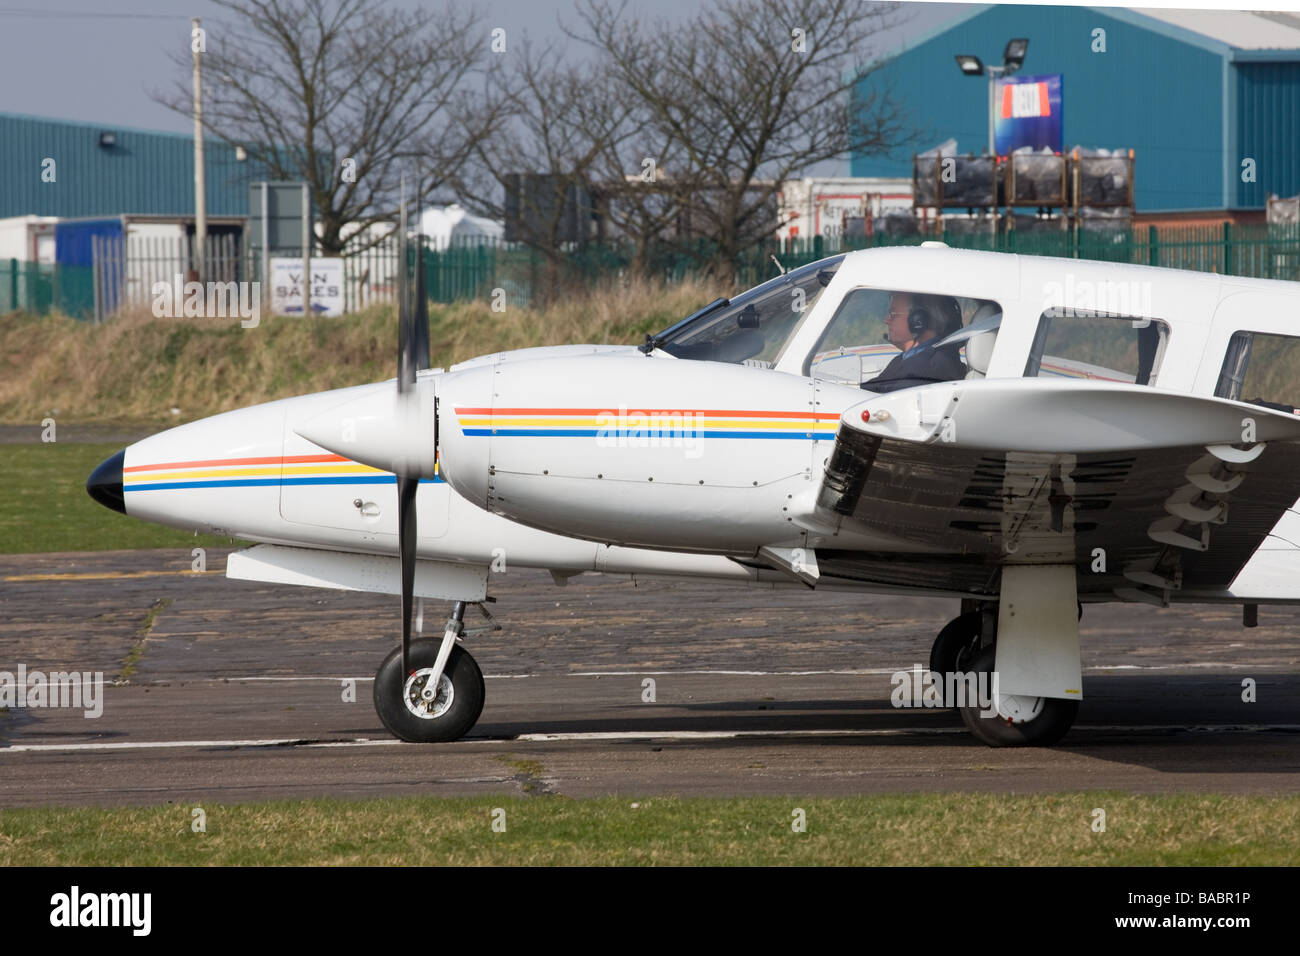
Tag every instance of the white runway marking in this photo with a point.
(887, 732)
(630, 736)
(177, 744)
(864, 672)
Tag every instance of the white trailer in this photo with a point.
(28, 238)
(817, 206)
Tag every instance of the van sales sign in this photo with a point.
(1027, 112)
(326, 286)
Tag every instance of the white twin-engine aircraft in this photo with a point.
(1025, 434)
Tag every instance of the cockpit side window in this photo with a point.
(1262, 369)
(885, 340)
(753, 327)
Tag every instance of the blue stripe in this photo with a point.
(631, 433)
(264, 482)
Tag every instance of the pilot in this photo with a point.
(913, 323)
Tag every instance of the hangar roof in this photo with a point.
(1241, 29)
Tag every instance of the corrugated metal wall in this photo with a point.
(1268, 130)
(1151, 90)
(144, 173)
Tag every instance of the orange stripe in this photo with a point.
(217, 462)
(712, 413)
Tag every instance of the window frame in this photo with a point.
(806, 367)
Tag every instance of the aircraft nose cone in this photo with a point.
(105, 483)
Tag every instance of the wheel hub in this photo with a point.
(420, 699)
(1018, 708)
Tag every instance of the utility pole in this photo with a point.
(306, 250)
(200, 180)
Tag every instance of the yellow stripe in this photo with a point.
(100, 575)
(348, 468)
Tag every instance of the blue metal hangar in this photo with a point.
(70, 169)
(1209, 100)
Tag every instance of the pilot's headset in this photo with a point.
(940, 313)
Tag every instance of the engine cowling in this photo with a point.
(636, 451)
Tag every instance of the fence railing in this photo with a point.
(125, 272)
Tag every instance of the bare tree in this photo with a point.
(345, 95)
(534, 169)
(730, 104)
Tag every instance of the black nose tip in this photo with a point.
(105, 483)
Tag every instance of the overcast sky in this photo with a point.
(66, 59)
(74, 59)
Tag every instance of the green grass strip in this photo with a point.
(46, 507)
(917, 829)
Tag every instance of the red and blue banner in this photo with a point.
(1027, 112)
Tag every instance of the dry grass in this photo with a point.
(136, 368)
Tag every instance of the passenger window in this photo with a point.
(884, 340)
(1262, 369)
(1094, 345)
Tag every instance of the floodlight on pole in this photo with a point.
(1013, 58)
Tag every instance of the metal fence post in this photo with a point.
(1228, 264)
(96, 270)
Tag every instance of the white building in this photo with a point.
(817, 206)
(447, 224)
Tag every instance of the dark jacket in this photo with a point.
(919, 365)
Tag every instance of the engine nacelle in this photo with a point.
(631, 450)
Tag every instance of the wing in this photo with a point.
(1147, 492)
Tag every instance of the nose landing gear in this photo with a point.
(441, 697)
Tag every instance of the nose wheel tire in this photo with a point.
(1021, 721)
(412, 710)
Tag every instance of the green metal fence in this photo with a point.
(469, 270)
(42, 287)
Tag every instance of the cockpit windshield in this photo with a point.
(753, 327)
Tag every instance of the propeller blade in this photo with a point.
(420, 316)
(406, 535)
(405, 320)
(410, 412)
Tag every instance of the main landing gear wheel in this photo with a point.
(411, 710)
(1020, 721)
(956, 644)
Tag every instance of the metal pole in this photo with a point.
(266, 245)
(96, 266)
(992, 72)
(306, 250)
(200, 186)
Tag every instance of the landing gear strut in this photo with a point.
(441, 695)
(967, 646)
